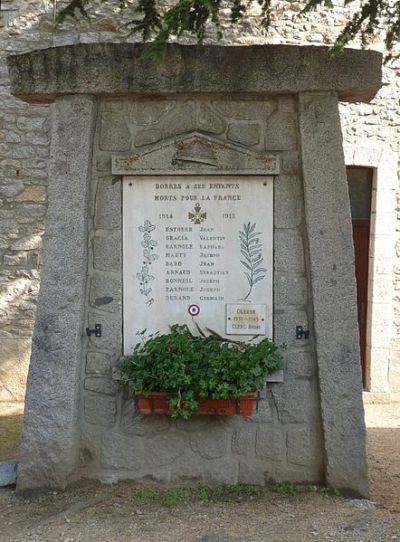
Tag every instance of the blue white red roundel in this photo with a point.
(194, 310)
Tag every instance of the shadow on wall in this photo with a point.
(11, 420)
(16, 311)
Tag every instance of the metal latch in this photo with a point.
(96, 331)
(302, 333)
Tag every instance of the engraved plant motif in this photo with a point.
(251, 250)
(149, 257)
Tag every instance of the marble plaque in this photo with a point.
(193, 247)
(245, 319)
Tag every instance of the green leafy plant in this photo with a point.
(189, 367)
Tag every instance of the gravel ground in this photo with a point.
(92, 511)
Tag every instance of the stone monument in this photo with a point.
(159, 177)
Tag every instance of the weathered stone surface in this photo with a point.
(212, 442)
(270, 442)
(112, 105)
(146, 113)
(33, 193)
(134, 424)
(105, 292)
(180, 120)
(354, 75)
(299, 447)
(290, 163)
(209, 121)
(146, 137)
(244, 109)
(164, 449)
(100, 385)
(333, 285)
(243, 440)
(98, 363)
(50, 442)
(30, 212)
(30, 242)
(294, 401)
(12, 189)
(221, 470)
(121, 452)
(129, 415)
(108, 204)
(289, 252)
(288, 208)
(300, 364)
(100, 410)
(285, 322)
(111, 331)
(107, 251)
(263, 412)
(16, 259)
(280, 132)
(252, 472)
(114, 133)
(245, 134)
(290, 289)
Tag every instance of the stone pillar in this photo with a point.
(50, 442)
(331, 267)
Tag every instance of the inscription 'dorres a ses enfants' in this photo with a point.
(197, 247)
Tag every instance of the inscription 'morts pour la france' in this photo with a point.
(196, 240)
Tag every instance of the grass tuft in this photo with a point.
(199, 493)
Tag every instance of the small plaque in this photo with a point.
(245, 319)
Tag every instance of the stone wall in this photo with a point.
(284, 439)
(369, 131)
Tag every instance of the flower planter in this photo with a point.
(157, 403)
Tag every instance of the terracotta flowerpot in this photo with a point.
(157, 403)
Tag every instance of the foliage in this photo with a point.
(157, 24)
(287, 488)
(189, 367)
(199, 493)
(203, 493)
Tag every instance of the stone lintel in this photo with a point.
(331, 265)
(112, 69)
(50, 441)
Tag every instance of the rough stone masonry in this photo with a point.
(371, 134)
(310, 427)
